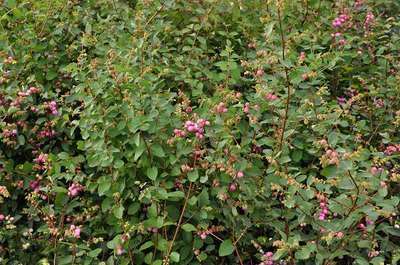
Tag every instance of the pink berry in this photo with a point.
(339, 234)
(259, 72)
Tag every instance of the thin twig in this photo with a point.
(283, 44)
(217, 237)
(355, 183)
(238, 255)
(358, 193)
(178, 226)
(241, 234)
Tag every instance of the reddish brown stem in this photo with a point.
(178, 226)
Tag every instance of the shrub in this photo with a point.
(199, 132)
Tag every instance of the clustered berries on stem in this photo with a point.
(193, 127)
(246, 107)
(331, 157)
(52, 107)
(204, 233)
(10, 133)
(75, 231)
(340, 20)
(221, 108)
(267, 258)
(41, 161)
(323, 205)
(369, 19)
(338, 23)
(302, 57)
(32, 90)
(392, 149)
(74, 189)
(376, 170)
(271, 97)
(35, 185)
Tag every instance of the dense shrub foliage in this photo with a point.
(200, 132)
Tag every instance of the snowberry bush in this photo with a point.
(199, 132)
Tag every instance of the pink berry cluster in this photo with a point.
(9, 133)
(193, 127)
(339, 234)
(373, 253)
(271, 97)
(259, 72)
(4, 192)
(16, 102)
(239, 175)
(379, 103)
(267, 258)
(52, 107)
(221, 108)
(232, 187)
(75, 231)
(9, 60)
(340, 20)
(179, 133)
(35, 185)
(369, 19)
(331, 157)
(363, 226)
(74, 189)
(47, 133)
(41, 162)
(204, 233)
(392, 149)
(358, 3)
(341, 100)
(32, 90)
(338, 23)
(246, 107)
(376, 170)
(323, 205)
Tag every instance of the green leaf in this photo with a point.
(10, 3)
(61, 199)
(157, 150)
(104, 186)
(118, 163)
(329, 171)
(94, 253)
(146, 245)
(297, 155)
(118, 212)
(51, 74)
(226, 248)
(21, 140)
(162, 244)
(133, 208)
(152, 173)
(136, 139)
(193, 175)
(175, 256)
(189, 227)
(303, 253)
